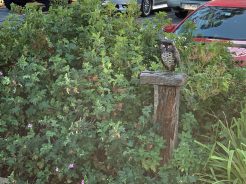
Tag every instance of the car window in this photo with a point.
(218, 22)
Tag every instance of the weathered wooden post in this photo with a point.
(3, 181)
(166, 105)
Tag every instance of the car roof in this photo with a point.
(228, 3)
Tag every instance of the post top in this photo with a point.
(163, 78)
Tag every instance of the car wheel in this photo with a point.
(181, 14)
(146, 7)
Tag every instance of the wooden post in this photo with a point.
(166, 105)
(3, 181)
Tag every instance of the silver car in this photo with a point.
(182, 7)
(146, 5)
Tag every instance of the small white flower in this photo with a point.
(29, 125)
(57, 169)
(71, 166)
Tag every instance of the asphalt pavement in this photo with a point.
(3, 13)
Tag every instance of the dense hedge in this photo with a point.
(72, 109)
(71, 106)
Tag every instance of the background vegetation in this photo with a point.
(72, 108)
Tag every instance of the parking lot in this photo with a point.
(4, 12)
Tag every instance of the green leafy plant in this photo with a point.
(215, 87)
(71, 104)
(227, 158)
(56, 3)
(17, 9)
(188, 158)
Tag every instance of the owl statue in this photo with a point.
(169, 54)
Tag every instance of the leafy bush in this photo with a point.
(72, 107)
(215, 87)
(57, 3)
(188, 159)
(71, 104)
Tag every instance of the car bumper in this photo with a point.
(185, 4)
(191, 5)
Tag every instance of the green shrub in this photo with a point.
(215, 87)
(17, 9)
(188, 159)
(71, 106)
(56, 3)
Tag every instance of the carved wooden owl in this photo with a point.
(169, 54)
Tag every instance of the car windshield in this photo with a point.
(218, 22)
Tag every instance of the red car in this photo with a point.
(219, 20)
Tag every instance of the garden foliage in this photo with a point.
(215, 88)
(227, 157)
(72, 109)
(71, 104)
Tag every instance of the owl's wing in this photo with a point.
(176, 55)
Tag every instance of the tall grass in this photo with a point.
(227, 159)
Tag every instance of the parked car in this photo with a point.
(146, 5)
(182, 7)
(219, 20)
